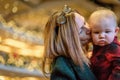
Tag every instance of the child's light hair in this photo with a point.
(103, 14)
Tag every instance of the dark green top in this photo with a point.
(64, 69)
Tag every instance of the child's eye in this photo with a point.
(107, 31)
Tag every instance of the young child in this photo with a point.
(66, 34)
(106, 48)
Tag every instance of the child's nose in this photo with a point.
(101, 35)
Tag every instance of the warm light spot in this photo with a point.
(2, 77)
(14, 10)
(38, 52)
(15, 43)
(0, 39)
(25, 52)
(5, 49)
(31, 52)
(7, 6)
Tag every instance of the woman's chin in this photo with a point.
(85, 42)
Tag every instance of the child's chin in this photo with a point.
(102, 44)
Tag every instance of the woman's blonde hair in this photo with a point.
(63, 40)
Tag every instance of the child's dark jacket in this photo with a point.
(106, 61)
(64, 69)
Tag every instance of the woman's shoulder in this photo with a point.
(61, 61)
(66, 62)
(65, 65)
(61, 69)
(60, 58)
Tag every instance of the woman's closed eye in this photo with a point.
(81, 30)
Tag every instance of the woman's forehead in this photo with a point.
(79, 20)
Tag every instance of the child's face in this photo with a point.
(84, 32)
(103, 33)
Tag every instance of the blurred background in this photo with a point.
(21, 32)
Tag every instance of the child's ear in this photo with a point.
(117, 30)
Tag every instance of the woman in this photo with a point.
(66, 36)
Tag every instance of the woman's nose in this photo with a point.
(88, 31)
(87, 28)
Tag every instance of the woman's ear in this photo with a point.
(117, 30)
